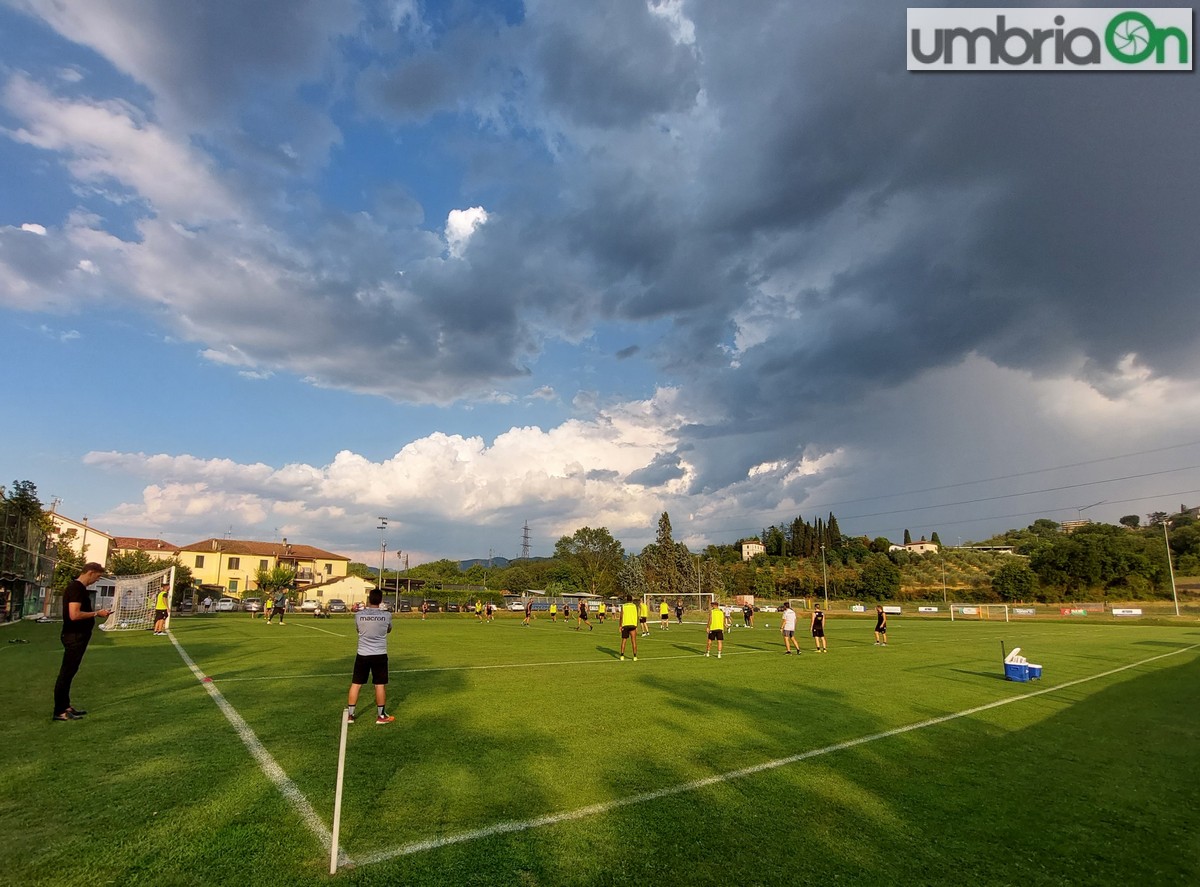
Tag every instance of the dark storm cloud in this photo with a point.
(664, 467)
(613, 64)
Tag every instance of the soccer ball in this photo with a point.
(124, 624)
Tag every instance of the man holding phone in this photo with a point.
(78, 621)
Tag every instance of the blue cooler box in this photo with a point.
(1017, 671)
(1035, 672)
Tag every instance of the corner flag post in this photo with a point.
(337, 795)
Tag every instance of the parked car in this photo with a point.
(434, 606)
(310, 606)
(186, 605)
(405, 606)
(387, 605)
(452, 608)
(336, 605)
(252, 604)
(516, 606)
(226, 605)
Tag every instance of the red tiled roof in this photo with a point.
(263, 549)
(125, 542)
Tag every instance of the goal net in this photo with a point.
(131, 599)
(798, 603)
(979, 611)
(691, 602)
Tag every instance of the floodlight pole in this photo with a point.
(1170, 569)
(383, 521)
(943, 578)
(824, 577)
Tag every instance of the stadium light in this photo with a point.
(383, 521)
(1170, 569)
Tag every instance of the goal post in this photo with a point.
(691, 602)
(979, 611)
(799, 603)
(131, 599)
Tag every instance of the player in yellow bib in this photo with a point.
(601, 612)
(161, 605)
(629, 626)
(554, 612)
(644, 617)
(716, 628)
(664, 615)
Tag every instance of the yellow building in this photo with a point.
(233, 563)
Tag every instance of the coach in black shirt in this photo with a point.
(78, 621)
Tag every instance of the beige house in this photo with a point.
(233, 563)
(86, 541)
(351, 589)
(752, 547)
(921, 547)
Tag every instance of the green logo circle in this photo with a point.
(1130, 37)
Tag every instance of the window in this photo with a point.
(235, 563)
(262, 565)
(233, 585)
(199, 562)
(328, 569)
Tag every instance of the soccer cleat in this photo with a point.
(718, 655)
(705, 654)
(622, 657)
(67, 715)
(72, 710)
(635, 659)
(385, 719)
(350, 718)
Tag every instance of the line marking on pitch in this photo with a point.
(266, 762)
(502, 828)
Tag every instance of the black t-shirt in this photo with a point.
(77, 593)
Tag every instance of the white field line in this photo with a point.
(273, 771)
(502, 828)
(325, 630)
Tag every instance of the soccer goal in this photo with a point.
(979, 611)
(798, 603)
(131, 599)
(691, 602)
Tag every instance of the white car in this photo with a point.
(226, 605)
(310, 606)
(517, 607)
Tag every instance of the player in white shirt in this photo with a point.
(371, 661)
(788, 629)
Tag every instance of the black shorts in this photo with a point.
(368, 666)
(818, 632)
(882, 629)
(641, 620)
(627, 630)
(160, 614)
(717, 635)
(584, 616)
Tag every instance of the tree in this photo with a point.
(661, 561)
(631, 579)
(595, 554)
(278, 578)
(134, 563)
(1014, 581)
(935, 540)
(880, 578)
(1131, 521)
(907, 536)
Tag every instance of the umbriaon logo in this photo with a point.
(1070, 39)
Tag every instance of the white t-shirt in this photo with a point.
(373, 625)
(789, 619)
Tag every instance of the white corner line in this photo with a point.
(501, 828)
(266, 762)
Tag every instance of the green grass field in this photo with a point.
(531, 756)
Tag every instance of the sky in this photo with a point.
(279, 269)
